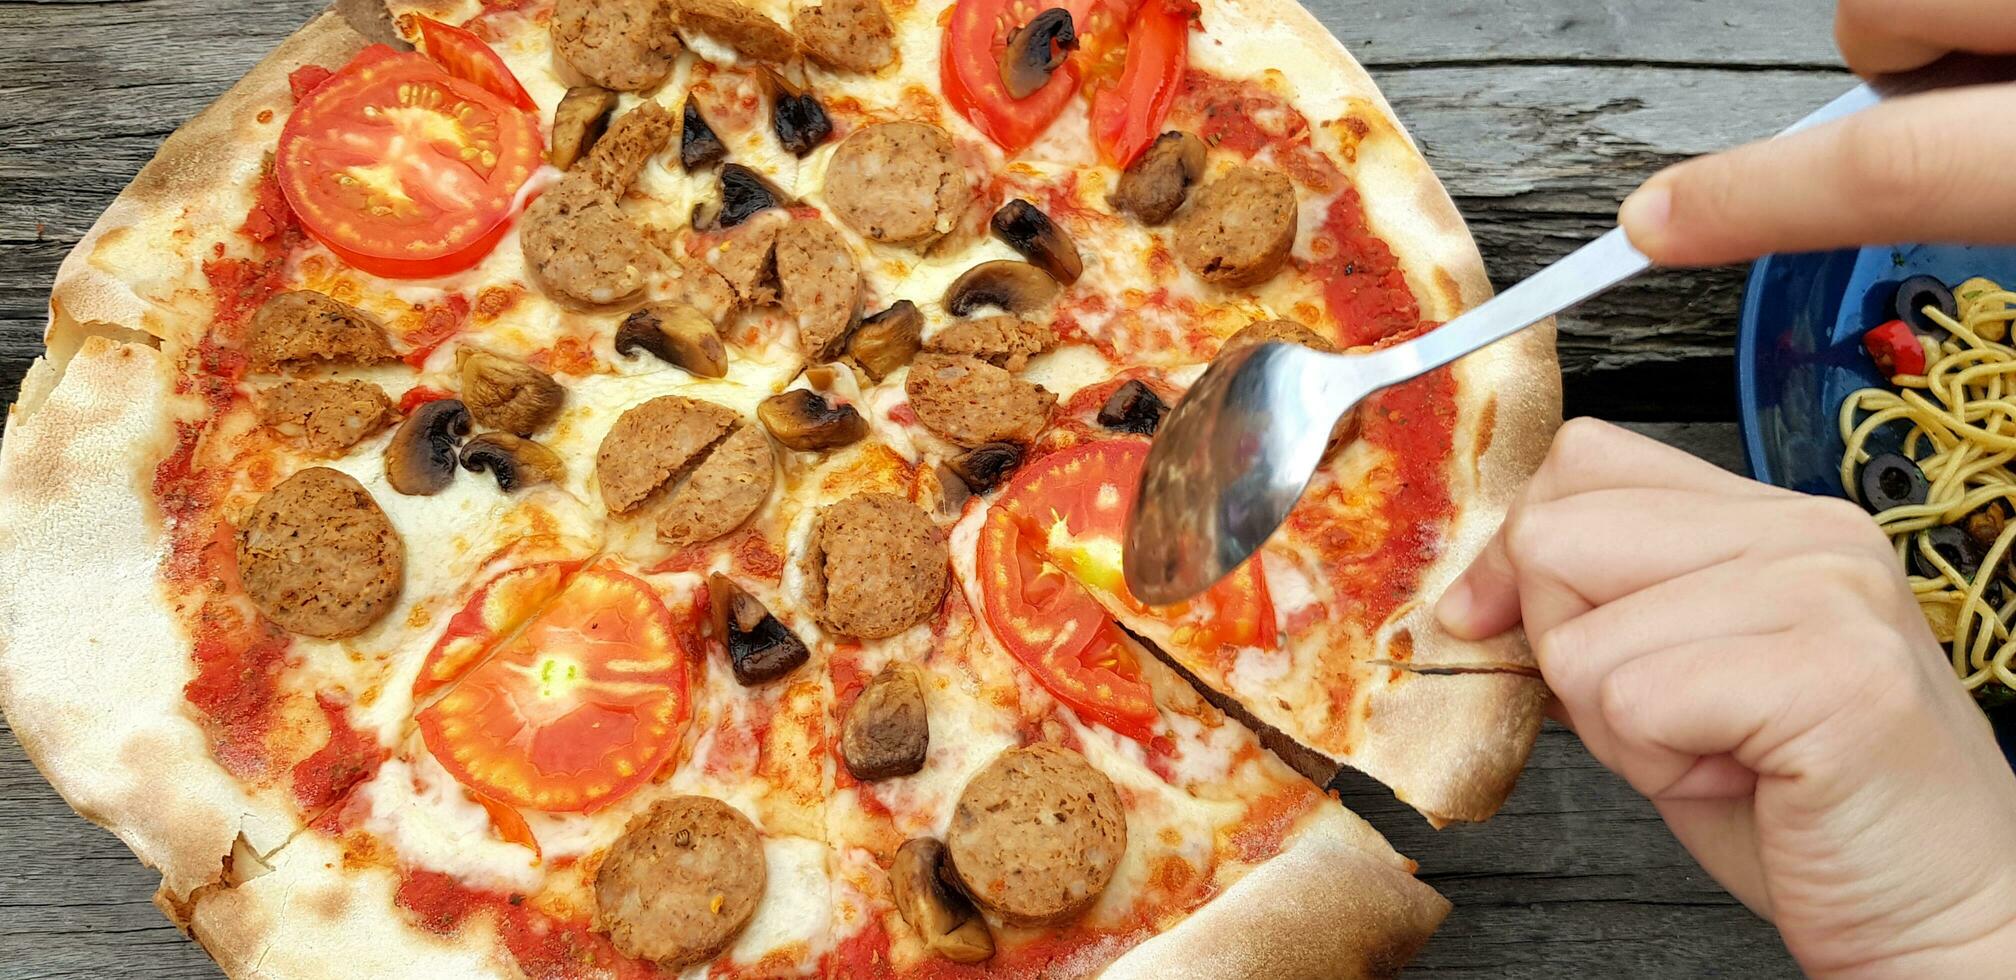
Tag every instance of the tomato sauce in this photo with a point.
(1363, 284)
(546, 947)
(1246, 117)
(237, 682)
(432, 324)
(1269, 819)
(348, 758)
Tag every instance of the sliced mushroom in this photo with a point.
(760, 647)
(983, 467)
(515, 462)
(797, 116)
(1026, 229)
(698, 146)
(677, 334)
(420, 460)
(1155, 186)
(505, 394)
(1133, 407)
(802, 420)
(578, 121)
(744, 193)
(1015, 287)
(941, 914)
(887, 340)
(1035, 50)
(887, 730)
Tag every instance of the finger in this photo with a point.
(1735, 696)
(1900, 171)
(1877, 37)
(1484, 601)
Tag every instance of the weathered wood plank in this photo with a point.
(1680, 33)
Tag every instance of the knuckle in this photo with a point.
(1889, 170)
(1529, 535)
(1579, 443)
(1834, 520)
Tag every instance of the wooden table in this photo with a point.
(1538, 116)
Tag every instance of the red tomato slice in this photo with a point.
(510, 824)
(1128, 115)
(1060, 633)
(970, 73)
(467, 57)
(402, 169)
(581, 708)
(497, 608)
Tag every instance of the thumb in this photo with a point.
(1924, 168)
(1484, 601)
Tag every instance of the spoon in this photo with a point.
(1237, 452)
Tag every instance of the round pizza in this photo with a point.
(624, 488)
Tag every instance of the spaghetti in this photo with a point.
(1955, 420)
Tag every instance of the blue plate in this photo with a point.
(1799, 354)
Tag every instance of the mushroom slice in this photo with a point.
(760, 647)
(796, 115)
(941, 914)
(984, 467)
(1026, 229)
(578, 121)
(677, 334)
(698, 145)
(1015, 287)
(420, 459)
(803, 420)
(1156, 185)
(887, 730)
(1035, 50)
(744, 193)
(887, 340)
(502, 393)
(1133, 407)
(515, 462)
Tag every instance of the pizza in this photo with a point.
(614, 488)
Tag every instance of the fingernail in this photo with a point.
(1646, 213)
(1453, 612)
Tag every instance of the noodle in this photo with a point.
(1958, 424)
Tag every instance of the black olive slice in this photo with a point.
(1891, 480)
(1917, 293)
(1035, 50)
(698, 146)
(1952, 545)
(1133, 407)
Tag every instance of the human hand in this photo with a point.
(1752, 661)
(1926, 168)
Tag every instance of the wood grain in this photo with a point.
(1540, 117)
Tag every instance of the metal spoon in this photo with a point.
(1237, 452)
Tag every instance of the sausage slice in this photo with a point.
(652, 443)
(876, 566)
(847, 35)
(624, 45)
(630, 142)
(746, 256)
(1036, 835)
(1003, 341)
(319, 557)
(582, 247)
(327, 417)
(299, 327)
(819, 283)
(738, 26)
(681, 883)
(1237, 230)
(728, 486)
(899, 183)
(887, 730)
(971, 402)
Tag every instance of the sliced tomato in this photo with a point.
(579, 709)
(1127, 115)
(1060, 633)
(467, 57)
(496, 609)
(510, 824)
(402, 169)
(970, 73)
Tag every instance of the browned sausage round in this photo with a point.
(653, 441)
(582, 247)
(819, 283)
(328, 417)
(1237, 230)
(301, 326)
(625, 45)
(1004, 341)
(738, 26)
(631, 141)
(724, 490)
(746, 256)
(876, 566)
(848, 35)
(318, 557)
(1036, 835)
(971, 402)
(681, 882)
(897, 182)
